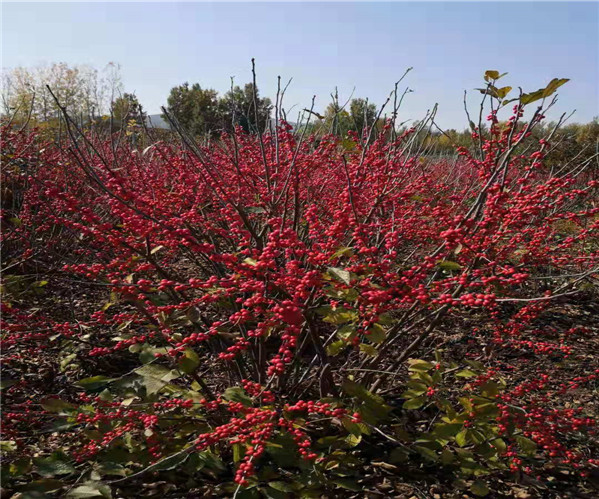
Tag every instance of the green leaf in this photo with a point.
(110, 468)
(238, 452)
(94, 383)
(448, 265)
(8, 445)
(189, 363)
(353, 440)
(526, 444)
(479, 488)
(461, 438)
(376, 333)
(44, 485)
(554, 85)
(503, 91)
(466, 373)
(340, 274)
(56, 405)
(343, 251)
(532, 97)
(53, 465)
(447, 430)
(255, 209)
(336, 348)
(90, 489)
(491, 74)
(237, 394)
(154, 377)
(156, 250)
(490, 389)
(499, 444)
(250, 261)
(429, 454)
(340, 316)
(346, 483)
(7, 383)
(368, 350)
(414, 403)
(281, 486)
(355, 428)
(419, 365)
(347, 332)
(447, 457)
(135, 348)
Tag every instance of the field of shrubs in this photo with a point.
(281, 315)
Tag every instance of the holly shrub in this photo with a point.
(271, 313)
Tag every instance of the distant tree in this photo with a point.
(126, 109)
(195, 108)
(337, 120)
(83, 90)
(363, 115)
(237, 109)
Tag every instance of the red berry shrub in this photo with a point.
(253, 301)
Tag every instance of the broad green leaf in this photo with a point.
(368, 350)
(413, 393)
(447, 430)
(346, 332)
(237, 394)
(336, 348)
(340, 316)
(8, 445)
(238, 452)
(376, 333)
(466, 373)
(448, 265)
(7, 383)
(526, 444)
(44, 485)
(447, 457)
(281, 486)
(373, 402)
(343, 251)
(94, 383)
(461, 438)
(353, 440)
(90, 489)
(554, 85)
(156, 250)
(53, 466)
(346, 483)
(56, 405)
(419, 365)
(499, 444)
(491, 74)
(189, 362)
(110, 468)
(355, 428)
(429, 454)
(479, 488)
(256, 209)
(398, 455)
(503, 91)
(414, 403)
(154, 377)
(339, 274)
(532, 97)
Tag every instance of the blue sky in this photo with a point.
(321, 45)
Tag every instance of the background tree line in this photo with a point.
(97, 96)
